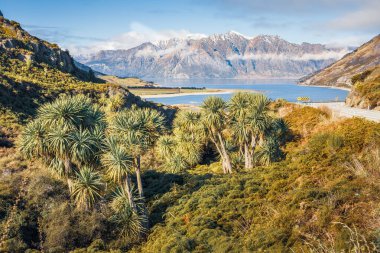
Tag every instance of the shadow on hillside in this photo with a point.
(156, 184)
(21, 98)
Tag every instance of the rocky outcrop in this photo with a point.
(365, 93)
(340, 73)
(17, 43)
(354, 99)
(229, 55)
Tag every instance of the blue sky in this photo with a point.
(85, 26)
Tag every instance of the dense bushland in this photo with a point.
(314, 188)
(322, 198)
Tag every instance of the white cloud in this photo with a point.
(302, 57)
(137, 34)
(149, 51)
(365, 18)
(344, 40)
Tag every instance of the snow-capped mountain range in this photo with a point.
(229, 55)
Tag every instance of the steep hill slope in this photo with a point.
(33, 71)
(340, 73)
(20, 45)
(229, 55)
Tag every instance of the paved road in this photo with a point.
(341, 110)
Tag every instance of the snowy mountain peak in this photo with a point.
(268, 38)
(231, 35)
(228, 55)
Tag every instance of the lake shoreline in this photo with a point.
(205, 92)
(324, 86)
(289, 92)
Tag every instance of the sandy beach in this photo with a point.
(219, 92)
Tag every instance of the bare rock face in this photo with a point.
(229, 55)
(355, 100)
(340, 73)
(365, 93)
(344, 80)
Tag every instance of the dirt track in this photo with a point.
(339, 109)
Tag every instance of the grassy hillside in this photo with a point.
(316, 200)
(364, 58)
(323, 197)
(33, 71)
(125, 82)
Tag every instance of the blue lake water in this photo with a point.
(288, 90)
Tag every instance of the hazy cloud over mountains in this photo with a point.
(127, 24)
(137, 34)
(229, 55)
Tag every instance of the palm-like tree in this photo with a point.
(71, 113)
(118, 163)
(84, 145)
(278, 128)
(130, 223)
(269, 151)
(190, 149)
(250, 121)
(239, 107)
(32, 142)
(86, 188)
(177, 163)
(138, 129)
(188, 122)
(165, 146)
(214, 118)
(187, 141)
(66, 135)
(70, 124)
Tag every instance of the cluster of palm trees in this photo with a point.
(73, 138)
(97, 149)
(243, 128)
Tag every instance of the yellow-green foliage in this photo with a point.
(370, 90)
(310, 198)
(367, 84)
(361, 77)
(23, 88)
(304, 119)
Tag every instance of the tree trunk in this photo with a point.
(224, 166)
(129, 193)
(227, 161)
(68, 165)
(251, 149)
(220, 153)
(247, 157)
(138, 176)
(145, 223)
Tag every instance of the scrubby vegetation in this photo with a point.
(115, 184)
(366, 90)
(88, 167)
